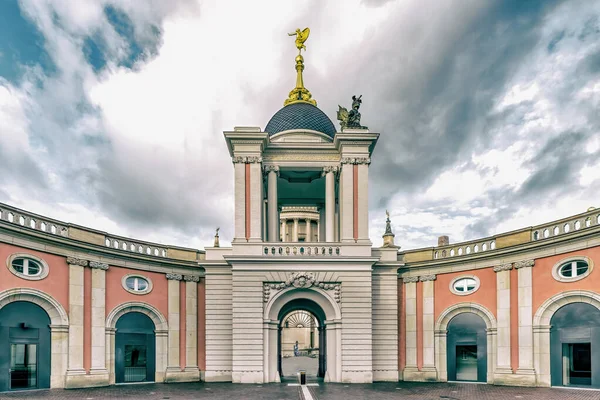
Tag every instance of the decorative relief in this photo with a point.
(410, 279)
(317, 157)
(174, 277)
(301, 280)
(503, 267)
(356, 160)
(426, 278)
(191, 278)
(246, 159)
(524, 263)
(98, 265)
(77, 261)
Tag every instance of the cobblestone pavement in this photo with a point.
(392, 390)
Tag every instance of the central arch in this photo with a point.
(317, 302)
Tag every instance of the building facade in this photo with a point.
(81, 307)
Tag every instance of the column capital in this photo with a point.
(524, 263)
(246, 159)
(271, 168)
(191, 278)
(174, 277)
(98, 265)
(425, 278)
(503, 267)
(329, 168)
(356, 160)
(410, 279)
(77, 261)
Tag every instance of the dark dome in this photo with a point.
(300, 116)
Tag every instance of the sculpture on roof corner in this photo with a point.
(351, 119)
(300, 94)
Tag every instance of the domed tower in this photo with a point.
(300, 180)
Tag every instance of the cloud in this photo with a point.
(487, 110)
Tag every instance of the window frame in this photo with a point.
(133, 291)
(44, 268)
(557, 267)
(455, 280)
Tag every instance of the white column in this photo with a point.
(272, 220)
(295, 231)
(329, 202)
(308, 231)
(98, 318)
(76, 267)
(524, 269)
(318, 231)
(282, 230)
(173, 365)
(428, 324)
(503, 365)
(410, 305)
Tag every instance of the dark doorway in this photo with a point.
(575, 346)
(467, 348)
(135, 349)
(25, 347)
(313, 352)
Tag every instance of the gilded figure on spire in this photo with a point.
(301, 37)
(300, 94)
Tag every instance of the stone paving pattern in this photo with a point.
(391, 390)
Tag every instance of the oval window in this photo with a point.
(137, 284)
(572, 269)
(27, 266)
(464, 285)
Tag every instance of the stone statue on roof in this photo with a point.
(351, 119)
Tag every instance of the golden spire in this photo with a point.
(300, 94)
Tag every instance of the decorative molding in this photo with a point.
(246, 159)
(503, 267)
(77, 261)
(98, 265)
(191, 278)
(356, 160)
(174, 277)
(295, 156)
(301, 280)
(524, 263)
(426, 278)
(410, 279)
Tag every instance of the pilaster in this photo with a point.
(173, 366)
(410, 304)
(239, 188)
(503, 357)
(428, 324)
(98, 318)
(191, 325)
(256, 199)
(525, 301)
(346, 200)
(75, 371)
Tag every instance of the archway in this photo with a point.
(442, 338)
(575, 346)
(328, 315)
(135, 349)
(160, 336)
(24, 312)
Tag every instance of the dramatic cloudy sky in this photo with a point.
(112, 111)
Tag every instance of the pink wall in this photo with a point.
(56, 284)
(116, 294)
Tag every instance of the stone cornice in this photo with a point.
(503, 267)
(356, 160)
(524, 263)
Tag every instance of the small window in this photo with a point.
(572, 269)
(27, 266)
(464, 285)
(137, 284)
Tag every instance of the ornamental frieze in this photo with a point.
(301, 280)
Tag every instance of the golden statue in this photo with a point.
(301, 37)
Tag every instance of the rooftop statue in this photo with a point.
(301, 37)
(351, 119)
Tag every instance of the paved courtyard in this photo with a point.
(392, 390)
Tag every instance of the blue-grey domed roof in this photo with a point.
(300, 116)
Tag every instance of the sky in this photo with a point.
(112, 112)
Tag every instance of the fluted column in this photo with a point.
(503, 365)
(272, 221)
(295, 231)
(329, 173)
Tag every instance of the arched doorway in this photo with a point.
(25, 347)
(327, 313)
(467, 348)
(575, 346)
(135, 350)
(301, 344)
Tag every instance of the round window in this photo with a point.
(464, 285)
(27, 266)
(137, 284)
(572, 269)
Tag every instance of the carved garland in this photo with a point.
(301, 280)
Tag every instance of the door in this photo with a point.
(23, 366)
(466, 363)
(577, 364)
(134, 358)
